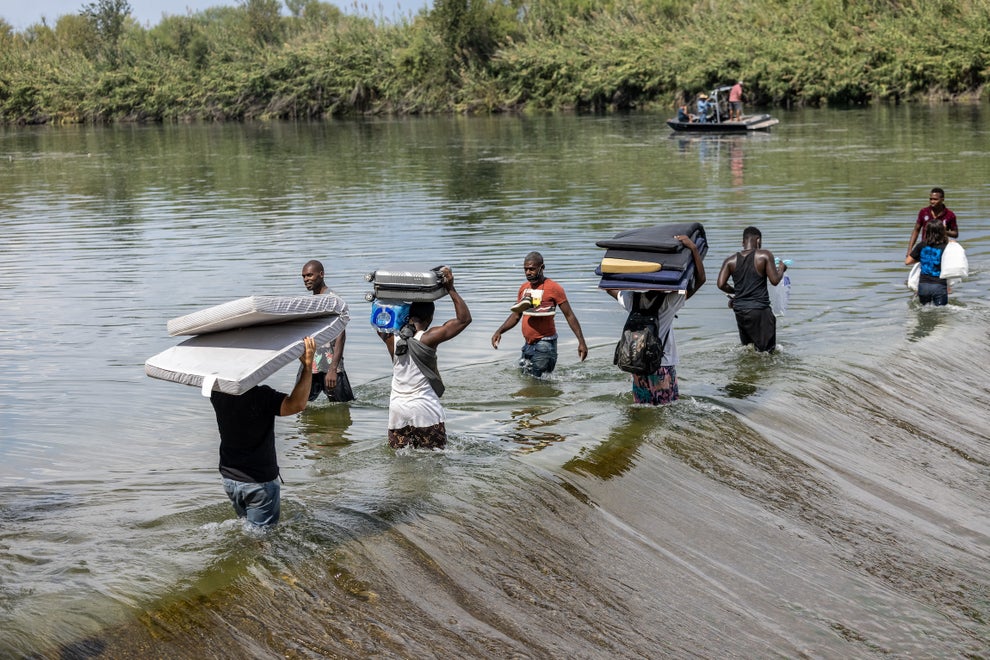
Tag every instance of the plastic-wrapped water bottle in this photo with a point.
(389, 316)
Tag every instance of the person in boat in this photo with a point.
(931, 287)
(248, 463)
(415, 416)
(704, 108)
(537, 301)
(661, 386)
(935, 212)
(683, 115)
(328, 366)
(750, 270)
(736, 102)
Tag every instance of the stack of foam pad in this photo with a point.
(401, 285)
(650, 258)
(239, 344)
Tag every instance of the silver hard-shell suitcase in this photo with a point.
(406, 284)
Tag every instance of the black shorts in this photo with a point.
(341, 393)
(757, 327)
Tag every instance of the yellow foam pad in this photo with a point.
(610, 265)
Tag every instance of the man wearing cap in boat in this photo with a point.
(703, 108)
(538, 298)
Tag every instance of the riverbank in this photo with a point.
(249, 62)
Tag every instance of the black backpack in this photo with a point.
(640, 350)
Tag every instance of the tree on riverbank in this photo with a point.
(250, 61)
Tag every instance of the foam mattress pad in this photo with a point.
(234, 361)
(256, 310)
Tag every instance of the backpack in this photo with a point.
(639, 350)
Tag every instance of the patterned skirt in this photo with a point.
(657, 388)
(429, 437)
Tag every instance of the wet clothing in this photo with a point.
(431, 437)
(259, 503)
(340, 393)
(659, 387)
(755, 320)
(931, 287)
(539, 355)
(322, 360)
(248, 462)
(414, 409)
(757, 327)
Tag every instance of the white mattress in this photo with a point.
(234, 361)
(256, 310)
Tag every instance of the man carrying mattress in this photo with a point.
(248, 462)
(328, 364)
(538, 298)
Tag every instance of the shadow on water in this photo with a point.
(325, 427)
(532, 420)
(617, 454)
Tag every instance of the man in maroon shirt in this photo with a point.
(935, 211)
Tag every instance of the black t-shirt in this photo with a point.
(247, 433)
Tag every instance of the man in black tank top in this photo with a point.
(750, 270)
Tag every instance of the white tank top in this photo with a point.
(413, 401)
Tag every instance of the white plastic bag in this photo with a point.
(914, 277)
(954, 262)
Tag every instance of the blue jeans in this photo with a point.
(540, 357)
(258, 502)
(934, 293)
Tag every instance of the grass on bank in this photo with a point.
(483, 56)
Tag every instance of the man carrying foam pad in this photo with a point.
(750, 270)
(538, 299)
(248, 462)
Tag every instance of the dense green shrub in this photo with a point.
(251, 62)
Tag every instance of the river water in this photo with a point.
(827, 501)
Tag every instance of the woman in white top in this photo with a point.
(415, 416)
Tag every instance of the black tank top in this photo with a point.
(750, 286)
